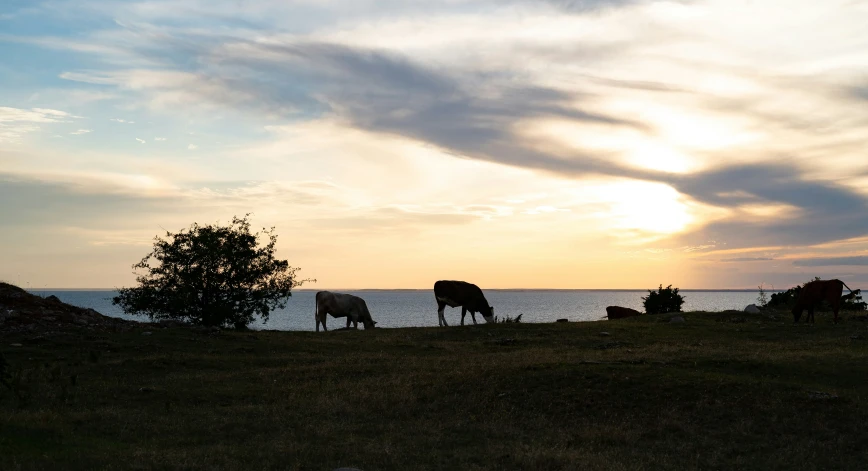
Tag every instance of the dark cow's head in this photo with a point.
(369, 323)
(487, 313)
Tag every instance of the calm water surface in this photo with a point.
(417, 308)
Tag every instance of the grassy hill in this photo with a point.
(721, 390)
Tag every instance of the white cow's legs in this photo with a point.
(441, 318)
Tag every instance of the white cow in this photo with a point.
(342, 305)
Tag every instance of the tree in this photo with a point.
(211, 275)
(663, 300)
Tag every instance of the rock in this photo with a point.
(146, 333)
(618, 312)
(562, 320)
(604, 334)
(676, 320)
(80, 321)
(146, 390)
(752, 309)
(53, 299)
(15, 345)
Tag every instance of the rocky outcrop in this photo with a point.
(21, 311)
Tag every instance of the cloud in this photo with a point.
(30, 202)
(192, 147)
(832, 262)
(119, 120)
(15, 122)
(140, 140)
(159, 138)
(828, 211)
(81, 131)
(582, 6)
(860, 92)
(746, 259)
(481, 110)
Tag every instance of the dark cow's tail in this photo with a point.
(316, 311)
(848, 288)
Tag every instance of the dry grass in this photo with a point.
(709, 393)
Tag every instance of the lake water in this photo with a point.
(417, 308)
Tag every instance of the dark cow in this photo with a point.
(466, 295)
(342, 305)
(815, 292)
(618, 312)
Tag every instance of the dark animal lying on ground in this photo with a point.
(466, 295)
(618, 312)
(815, 292)
(342, 305)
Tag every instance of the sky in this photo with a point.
(510, 143)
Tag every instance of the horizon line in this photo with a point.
(431, 289)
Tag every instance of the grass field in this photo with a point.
(719, 391)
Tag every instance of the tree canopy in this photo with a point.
(211, 275)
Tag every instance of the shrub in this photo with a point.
(211, 275)
(762, 297)
(663, 300)
(508, 320)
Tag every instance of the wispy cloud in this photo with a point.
(159, 138)
(746, 259)
(192, 147)
(15, 122)
(81, 131)
(142, 141)
(120, 120)
(832, 262)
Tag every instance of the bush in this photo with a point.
(508, 320)
(211, 275)
(762, 297)
(663, 300)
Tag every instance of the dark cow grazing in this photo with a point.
(618, 312)
(342, 305)
(466, 295)
(815, 292)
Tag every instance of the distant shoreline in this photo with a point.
(626, 290)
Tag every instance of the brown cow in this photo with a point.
(618, 312)
(815, 292)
